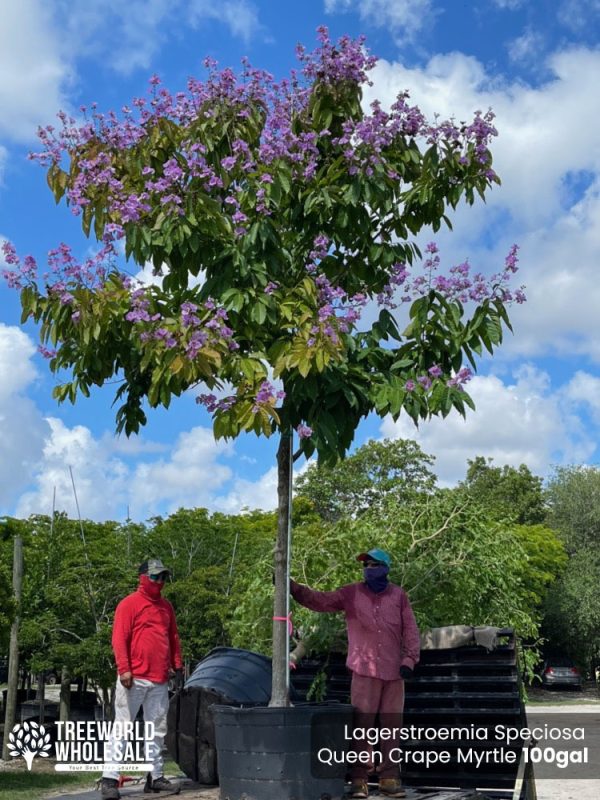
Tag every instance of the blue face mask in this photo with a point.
(376, 577)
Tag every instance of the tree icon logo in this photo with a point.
(29, 739)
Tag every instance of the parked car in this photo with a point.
(560, 671)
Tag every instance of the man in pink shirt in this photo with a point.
(147, 652)
(383, 649)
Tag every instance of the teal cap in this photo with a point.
(376, 555)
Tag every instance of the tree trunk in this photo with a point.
(280, 685)
(13, 652)
(65, 694)
(41, 695)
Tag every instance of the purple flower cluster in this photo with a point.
(434, 373)
(210, 402)
(240, 179)
(344, 61)
(23, 273)
(463, 376)
(267, 395)
(304, 431)
(336, 312)
(198, 327)
(398, 275)
(66, 273)
(45, 352)
(459, 285)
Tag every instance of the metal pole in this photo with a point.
(288, 556)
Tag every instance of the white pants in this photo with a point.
(154, 698)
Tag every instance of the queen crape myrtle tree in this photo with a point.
(271, 213)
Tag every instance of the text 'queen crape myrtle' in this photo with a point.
(273, 212)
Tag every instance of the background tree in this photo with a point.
(459, 563)
(572, 609)
(273, 212)
(515, 493)
(573, 497)
(376, 470)
(75, 574)
(6, 599)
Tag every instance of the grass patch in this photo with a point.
(17, 784)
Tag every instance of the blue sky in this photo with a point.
(535, 62)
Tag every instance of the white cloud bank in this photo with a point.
(34, 73)
(113, 476)
(524, 422)
(548, 156)
(43, 43)
(404, 19)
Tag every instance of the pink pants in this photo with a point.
(370, 697)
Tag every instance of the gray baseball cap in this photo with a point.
(153, 566)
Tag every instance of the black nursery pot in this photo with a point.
(272, 753)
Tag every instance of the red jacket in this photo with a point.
(145, 639)
(382, 632)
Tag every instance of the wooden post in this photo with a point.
(13, 652)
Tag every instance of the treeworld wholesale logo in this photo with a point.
(87, 746)
(28, 739)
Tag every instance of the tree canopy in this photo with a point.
(272, 212)
(572, 610)
(516, 493)
(371, 473)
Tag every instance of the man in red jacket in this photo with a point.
(383, 649)
(147, 652)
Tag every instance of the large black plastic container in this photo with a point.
(227, 676)
(240, 676)
(269, 753)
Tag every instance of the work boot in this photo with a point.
(109, 789)
(359, 788)
(161, 784)
(391, 787)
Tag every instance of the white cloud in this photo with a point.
(125, 35)
(561, 271)
(261, 494)
(522, 422)
(527, 47)
(22, 429)
(190, 477)
(404, 19)
(190, 474)
(538, 143)
(34, 73)
(113, 476)
(583, 391)
(240, 16)
(548, 156)
(511, 5)
(100, 480)
(43, 42)
(576, 15)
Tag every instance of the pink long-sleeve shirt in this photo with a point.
(382, 632)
